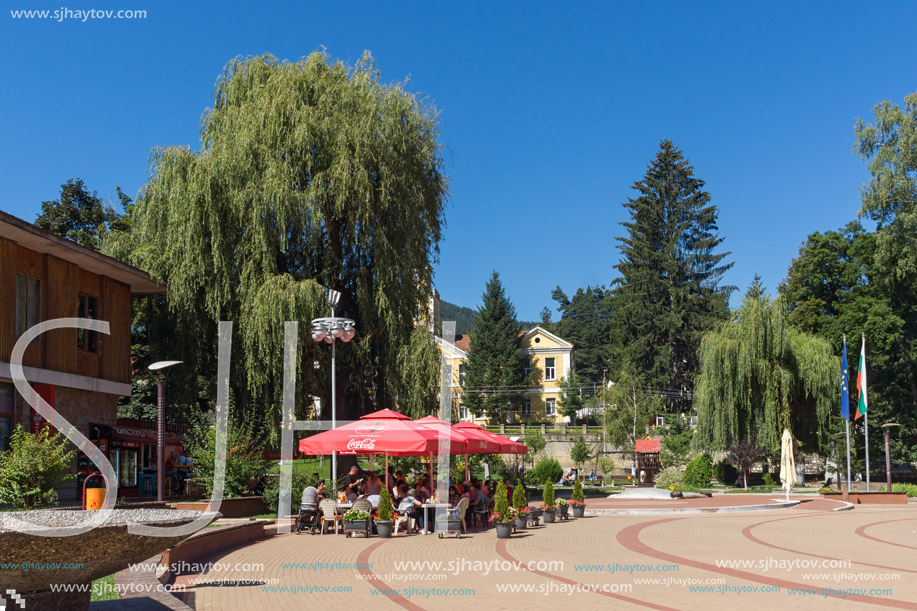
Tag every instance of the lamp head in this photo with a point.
(318, 333)
(161, 365)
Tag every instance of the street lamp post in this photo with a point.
(888, 462)
(162, 373)
(604, 407)
(328, 330)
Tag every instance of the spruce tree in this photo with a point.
(668, 292)
(494, 378)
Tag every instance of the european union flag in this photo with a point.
(845, 385)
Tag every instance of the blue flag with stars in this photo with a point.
(845, 385)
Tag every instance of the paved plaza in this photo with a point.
(806, 557)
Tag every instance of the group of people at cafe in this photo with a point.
(408, 497)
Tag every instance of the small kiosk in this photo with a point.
(648, 460)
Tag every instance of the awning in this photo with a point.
(144, 436)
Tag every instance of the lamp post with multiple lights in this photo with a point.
(162, 373)
(328, 330)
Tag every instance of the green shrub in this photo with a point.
(769, 480)
(577, 491)
(725, 473)
(519, 500)
(384, 512)
(243, 457)
(910, 489)
(829, 490)
(669, 478)
(302, 479)
(547, 469)
(699, 471)
(548, 495)
(32, 467)
(501, 505)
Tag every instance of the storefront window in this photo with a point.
(6, 415)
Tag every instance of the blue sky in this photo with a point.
(550, 112)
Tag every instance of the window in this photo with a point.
(660, 421)
(550, 407)
(462, 374)
(88, 307)
(550, 369)
(527, 407)
(526, 366)
(463, 412)
(28, 303)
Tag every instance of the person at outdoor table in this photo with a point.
(453, 496)
(476, 500)
(312, 494)
(352, 483)
(373, 485)
(410, 506)
(172, 472)
(592, 477)
(421, 492)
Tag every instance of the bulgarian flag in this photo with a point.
(862, 403)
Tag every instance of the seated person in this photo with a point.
(172, 472)
(312, 494)
(410, 506)
(374, 499)
(373, 484)
(592, 477)
(453, 496)
(421, 492)
(477, 500)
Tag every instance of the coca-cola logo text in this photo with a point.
(375, 427)
(361, 444)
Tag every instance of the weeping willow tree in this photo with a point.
(759, 375)
(311, 174)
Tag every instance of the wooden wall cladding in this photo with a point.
(115, 305)
(62, 290)
(8, 268)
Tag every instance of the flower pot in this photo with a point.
(563, 511)
(503, 530)
(579, 511)
(384, 528)
(549, 516)
(520, 523)
(449, 525)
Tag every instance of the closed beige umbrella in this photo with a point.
(787, 462)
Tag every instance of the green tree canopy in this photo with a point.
(668, 292)
(494, 376)
(585, 321)
(760, 375)
(80, 215)
(311, 174)
(631, 407)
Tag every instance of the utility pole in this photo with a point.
(604, 421)
(633, 391)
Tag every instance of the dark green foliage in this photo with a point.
(580, 451)
(302, 479)
(571, 397)
(535, 442)
(548, 494)
(463, 317)
(243, 456)
(577, 491)
(725, 473)
(79, 215)
(311, 174)
(547, 469)
(699, 471)
(32, 467)
(501, 504)
(494, 378)
(769, 480)
(585, 321)
(630, 407)
(668, 293)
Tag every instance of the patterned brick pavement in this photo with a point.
(775, 545)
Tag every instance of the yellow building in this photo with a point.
(544, 354)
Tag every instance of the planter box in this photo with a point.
(449, 525)
(504, 530)
(579, 512)
(241, 507)
(869, 498)
(520, 523)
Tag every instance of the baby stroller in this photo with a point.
(307, 518)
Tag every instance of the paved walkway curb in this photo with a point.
(679, 510)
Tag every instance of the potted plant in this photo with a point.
(563, 508)
(356, 519)
(502, 517)
(520, 508)
(550, 504)
(577, 500)
(384, 514)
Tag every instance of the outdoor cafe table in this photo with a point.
(426, 515)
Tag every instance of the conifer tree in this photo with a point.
(494, 377)
(668, 293)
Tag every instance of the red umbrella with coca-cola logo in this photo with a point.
(507, 446)
(381, 432)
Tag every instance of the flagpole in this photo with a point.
(847, 422)
(845, 407)
(866, 415)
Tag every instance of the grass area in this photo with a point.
(104, 589)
